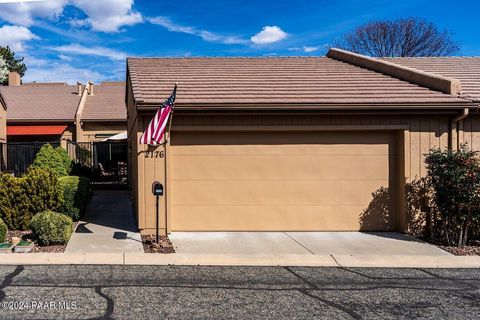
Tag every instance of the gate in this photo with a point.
(103, 162)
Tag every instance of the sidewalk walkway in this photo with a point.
(108, 226)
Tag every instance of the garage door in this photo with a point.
(272, 181)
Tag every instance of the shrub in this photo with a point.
(76, 193)
(14, 204)
(49, 158)
(43, 189)
(455, 178)
(3, 231)
(50, 227)
(21, 198)
(67, 161)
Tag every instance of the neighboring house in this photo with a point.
(51, 112)
(290, 144)
(104, 113)
(40, 112)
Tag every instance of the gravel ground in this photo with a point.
(194, 292)
(27, 235)
(150, 245)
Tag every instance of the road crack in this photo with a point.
(110, 303)
(8, 281)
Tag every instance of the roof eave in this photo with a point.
(315, 106)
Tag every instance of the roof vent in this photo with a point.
(90, 88)
(79, 88)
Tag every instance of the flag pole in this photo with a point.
(167, 141)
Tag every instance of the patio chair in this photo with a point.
(104, 173)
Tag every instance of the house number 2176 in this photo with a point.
(154, 154)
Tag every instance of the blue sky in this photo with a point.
(71, 40)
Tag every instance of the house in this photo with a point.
(103, 113)
(292, 144)
(52, 112)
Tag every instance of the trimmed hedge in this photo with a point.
(3, 231)
(50, 227)
(22, 198)
(76, 194)
(67, 161)
(50, 158)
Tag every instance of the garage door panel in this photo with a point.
(274, 218)
(310, 167)
(263, 193)
(282, 181)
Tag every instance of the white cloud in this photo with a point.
(24, 13)
(310, 49)
(102, 15)
(307, 49)
(269, 34)
(61, 73)
(109, 15)
(204, 34)
(15, 37)
(64, 57)
(77, 49)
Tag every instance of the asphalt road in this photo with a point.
(173, 292)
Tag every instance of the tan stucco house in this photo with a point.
(60, 112)
(277, 144)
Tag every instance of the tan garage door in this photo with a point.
(276, 181)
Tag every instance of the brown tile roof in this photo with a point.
(465, 69)
(39, 103)
(273, 81)
(107, 102)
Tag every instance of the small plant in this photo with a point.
(76, 194)
(455, 178)
(3, 231)
(50, 227)
(49, 158)
(67, 161)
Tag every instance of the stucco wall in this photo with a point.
(3, 124)
(90, 129)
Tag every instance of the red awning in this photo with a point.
(36, 130)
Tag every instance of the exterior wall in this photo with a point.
(3, 124)
(90, 129)
(416, 135)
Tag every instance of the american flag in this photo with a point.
(156, 128)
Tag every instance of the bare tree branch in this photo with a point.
(409, 37)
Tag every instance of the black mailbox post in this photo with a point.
(157, 190)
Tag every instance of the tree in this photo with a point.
(409, 37)
(13, 64)
(3, 70)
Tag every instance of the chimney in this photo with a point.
(13, 79)
(90, 88)
(79, 88)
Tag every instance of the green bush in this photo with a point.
(76, 193)
(50, 227)
(3, 231)
(49, 158)
(22, 198)
(14, 203)
(67, 161)
(455, 178)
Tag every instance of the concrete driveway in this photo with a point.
(318, 243)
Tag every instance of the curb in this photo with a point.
(350, 261)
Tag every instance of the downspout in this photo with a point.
(454, 126)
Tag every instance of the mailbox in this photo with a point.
(157, 189)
